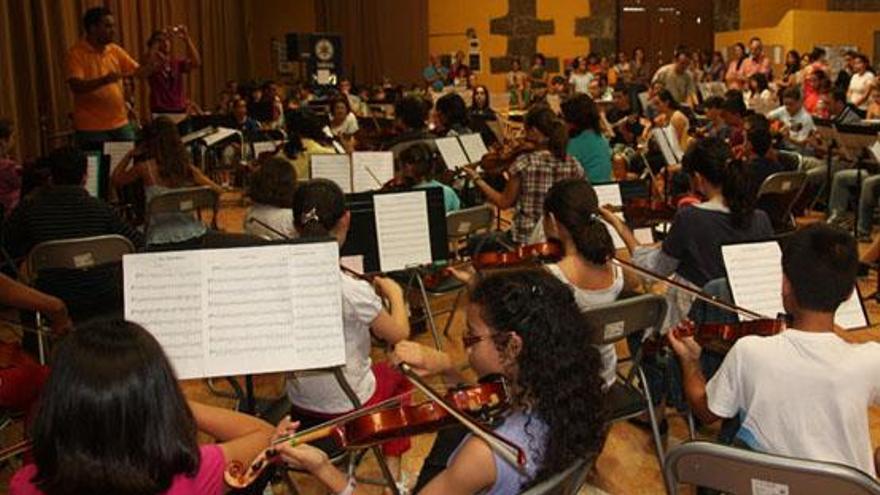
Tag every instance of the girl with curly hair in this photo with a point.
(526, 326)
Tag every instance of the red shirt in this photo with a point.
(166, 87)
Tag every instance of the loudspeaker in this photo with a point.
(298, 48)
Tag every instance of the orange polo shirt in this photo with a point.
(104, 108)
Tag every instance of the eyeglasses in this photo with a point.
(471, 340)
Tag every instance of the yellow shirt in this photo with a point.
(104, 108)
(303, 160)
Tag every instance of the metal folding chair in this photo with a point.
(615, 321)
(778, 195)
(744, 472)
(73, 254)
(567, 482)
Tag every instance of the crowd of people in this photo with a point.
(94, 420)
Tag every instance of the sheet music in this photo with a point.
(354, 262)
(875, 150)
(402, 231)
(117, 151)
(644, 235)
(754, 272)
(609, 194)
(219, 134)
(240, 311)
(615, 237)
(452, 153)
(474, 147)
(370, 170)
(333, 167)
(93, 171)
(668, 143)
(261, 147)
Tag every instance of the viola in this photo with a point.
(375, 425)
(718, 337)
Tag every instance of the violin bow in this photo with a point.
(708, 298)
(511, 452)
(270, 229)
(14, 450)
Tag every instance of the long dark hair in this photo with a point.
(132, 430)
(544, 120)
(581, 112)
(317, 207)
(745, 55)
(452, 111)
(557, 375)
(711, 158)
(574, 204)
(169, 152)
(274, 183)
(666, 97)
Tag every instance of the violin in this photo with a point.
(380, 423)
(718, 337)
(500, 158)
(21, 377)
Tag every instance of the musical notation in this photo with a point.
(336, 168)
(474, 147)
(451, 151)
(117, 151)
(754, 273)
(370, 170)
(243, 310)
(402, 230)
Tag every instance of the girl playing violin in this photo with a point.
(526, 326)
(532, 174)
(416, 163)
(112, 419)
(319, 211)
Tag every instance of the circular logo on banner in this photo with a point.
(324, 50)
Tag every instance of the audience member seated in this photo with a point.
(10, 170)
(240, 120)
(480, 113)
(451, 116)
(816, 84)
(796, 123)
(416, 163)
(165, 167)
(306, 137)
(829, 383)
(271, 190)
(343, 122)
(841, 111)
(580, 79)
(716, 127)
(586, 144)
(65, 210)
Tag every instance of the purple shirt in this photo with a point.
(208, 480)
(166, 87)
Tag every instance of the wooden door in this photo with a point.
(659, 26)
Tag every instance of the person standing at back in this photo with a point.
(167, 90)
(95, 69)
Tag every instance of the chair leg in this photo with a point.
(692, 429)
(41, 344)
(429, 315)
(452, 313)
(655, 430)
(386, 473)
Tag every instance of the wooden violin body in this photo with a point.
(719, 337)
(541, 252)
(500, 158)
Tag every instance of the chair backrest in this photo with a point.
(185, 200)
(617, 320)
(468, 221)
(778, 195)
(77, 254)
(567, 482)
(790, 159)
(744, 472)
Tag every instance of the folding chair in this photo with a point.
(346, 457)
(567, 482)
(778, 195)
(73, 254)
(744, 472)
(615, 322)
(184, 201)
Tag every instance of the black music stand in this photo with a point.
(362, 240)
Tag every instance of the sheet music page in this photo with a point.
(474, 147)
(754, 272)
(163, 293)
(402, 231)
(333, 167)
(660, 138)
(219, 135)
(452, 153)
(875, 150)
(618, 241)
(644, 235)
(261, 147)
(609, 194)
(117, 151)
(93, 169)
(370, 170)
(273, 308)
(674, 143)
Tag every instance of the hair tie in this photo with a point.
(592, 218)
(311, 216)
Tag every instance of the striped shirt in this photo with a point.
(68, 212)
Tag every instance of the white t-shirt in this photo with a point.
(319, 391)
(859, 87)
(348, 126)
(802, 394)
(587, 299)
(580, 82)
(800, 124)
(763, 102)
(280, 219)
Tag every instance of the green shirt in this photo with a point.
(593, 153)
(450, 199)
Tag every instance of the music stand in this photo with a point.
(825, 130)
(362, 240)
(856, 140)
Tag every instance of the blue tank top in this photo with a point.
(526, 431)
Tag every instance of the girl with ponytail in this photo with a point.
(318, 212)
(571, 216)
(532, 174)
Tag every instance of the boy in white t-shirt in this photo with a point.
(804, 392)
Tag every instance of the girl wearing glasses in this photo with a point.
(526, 326)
